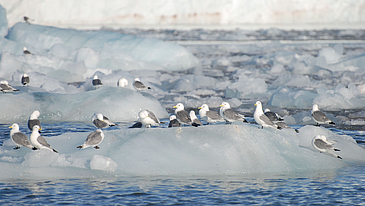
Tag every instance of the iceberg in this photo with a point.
(210, 150)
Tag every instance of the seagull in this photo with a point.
(27, 19)
(38, 141)
(319, 117)
(272, 116)
(96, 82)
(93, 139)
(148, 119)
(25, 51)
(194, 118)
(229, 114)
(209, 116)
(182, 115)
(100, 121)
(321, 143)
(33, 120)
(122, 82)
(5, 87)
(262, 119)
(18, 138)
(174, 122)
(139, 85)
(25, 79)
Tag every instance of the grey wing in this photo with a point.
(93, 138)
(319, 116)
(100, 124)
(33, 122)
(322, 144)
(105, 118)
(152, 116)
(43, 142)
(5, 87)
(213, 115)
(97, 82)
(183, 116)
(197, 121)
(25, 80)
(174, 123)
(139, 85)
(272, 116)
(282, 124)
(231, 114)
(267, 121)
(21, 139)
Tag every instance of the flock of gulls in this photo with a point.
(181, 118)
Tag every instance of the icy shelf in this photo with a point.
(214, 149)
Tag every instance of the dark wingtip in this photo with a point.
(339, 157)
(281, 119)
(148, 87)
(279, 128)
(195, 125)
(97, 147)
(297, 131)
(55, 151)
(244, 120)
(336, 150)
(34, 148)
(331, 123)
(15, 148)
(79, 147)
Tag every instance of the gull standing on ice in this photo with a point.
(100, 121)
(229, 114)
(139, 85)
(209, 116)
(33, 120)
(272, 116)
(194, 118)
(25, 79)
(319, 117)
(321, 143)
(174, 122)
(18, 138)
(38, 141)
(148, 118)
(262, 119)
(93, 139)
(122, 82)
(5, 87)
(26, 51)
(182, 115)
(96, 82)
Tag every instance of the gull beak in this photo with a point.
(221, 105)
(10, 127)
(255, 104)
(199, 107)
(40, 129)
(175, 107)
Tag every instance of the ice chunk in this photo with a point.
(118, 104)
(40, 158)
(99, 162)
(332, 55)
(285, 97)
(246, 87)
(135, 49)
(3, 22)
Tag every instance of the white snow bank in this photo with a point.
(214, 149)
(3, 22)
(117, 103)
(94, 13)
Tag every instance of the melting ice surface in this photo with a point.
(287, 77)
